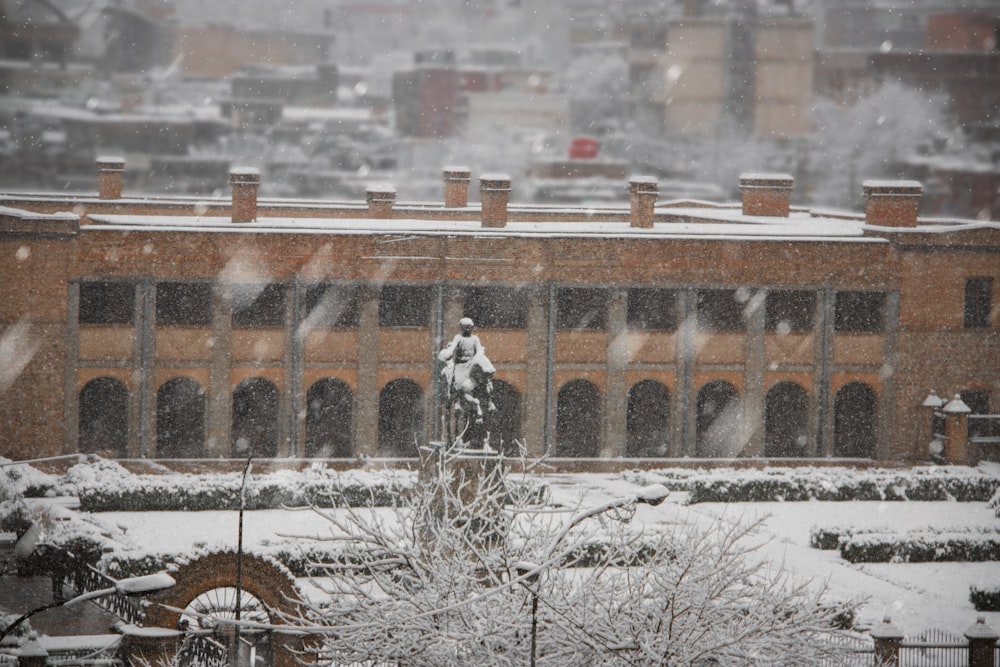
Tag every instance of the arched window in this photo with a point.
(328, 419)
(786, 420)
(855, 411)
(578, 420)
(255, 419)
(506, 426)
(400, 418)
(104, 417)
(647, 420)
(180, 420)
(718, 421)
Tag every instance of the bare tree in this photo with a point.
(472, 568)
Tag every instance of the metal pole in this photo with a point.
(234, 655)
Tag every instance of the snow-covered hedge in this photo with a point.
(28, 482)
(985, 598)
(923, 546)
(107, 487)
(797, 484)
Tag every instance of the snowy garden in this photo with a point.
(841, 546)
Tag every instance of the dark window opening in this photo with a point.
(855, 415)
(505, 425)
(978, 295)
(328, 419)
(180, 420)
(720, 310)
(405, 306)
(400, 419)
(497, 307)
(786, 421)
(255, 419)
(578, 420)
(647, 420)
(263, 308)
(581, 308)
(652, 309)
(790, 311)
(184, 304)
(979, 403)
(107, 303)
(104, 417)
(859, 312)
(333, 306)
(717, 421)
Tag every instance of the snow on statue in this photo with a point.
(466, 379)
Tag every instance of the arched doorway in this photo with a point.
(855, 415)
(506, 423)
(104, 417)
(786, 421)
(255, 419)
(328, 419)
(647, 420)
(718, 421)
(180, 420)
(400, 418)
(578, 420)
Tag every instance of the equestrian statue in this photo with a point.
(467, 389)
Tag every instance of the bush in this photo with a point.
(985, 599)
(922, 547)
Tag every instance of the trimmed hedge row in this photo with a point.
(816, 484)
(921, 548)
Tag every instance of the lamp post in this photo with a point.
(150, 583)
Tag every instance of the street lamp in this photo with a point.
(150, 583)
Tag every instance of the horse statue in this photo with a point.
(467, 394)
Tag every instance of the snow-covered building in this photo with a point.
(196, 328)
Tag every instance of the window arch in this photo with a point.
(578, 420)
(400, 418)
(104, 417)
(255, 419)
(718, 421)
(855, 411)
(506, 427)
(180, 419)
(328, 419)
(786, 420)
(647, 420)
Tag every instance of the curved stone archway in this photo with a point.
(263, 579)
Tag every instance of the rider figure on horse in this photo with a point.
(459, 356)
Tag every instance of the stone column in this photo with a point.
(537, 374)
(956, 431)
(982, 643)
(220, 394)
(366, 396)
(754, 393)
(32, 653)
(887, 639)
(110, 175)
(615, 398)
(495, 192)
(456, 187)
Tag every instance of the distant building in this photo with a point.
(177, 328)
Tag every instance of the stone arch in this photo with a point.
(786, 420)
(647, 420)
(718, 421)
(103, 421)
(328, 419)
(255, 418)
(400, 418)
(269, 582)
(506, 423)
(578, 420)
(180, 419)
(855, 419)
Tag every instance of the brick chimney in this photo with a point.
(766, 194)
(456, 187)
(380, 199)
(642, 197)
(110, 172)
(892, 203)
(245, 181)
(494, 190)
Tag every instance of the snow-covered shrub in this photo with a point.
(973, 545)
(28, 482)
(985, 598)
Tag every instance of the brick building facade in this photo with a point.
(183, 328)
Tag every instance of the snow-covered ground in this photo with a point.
(917, 596)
